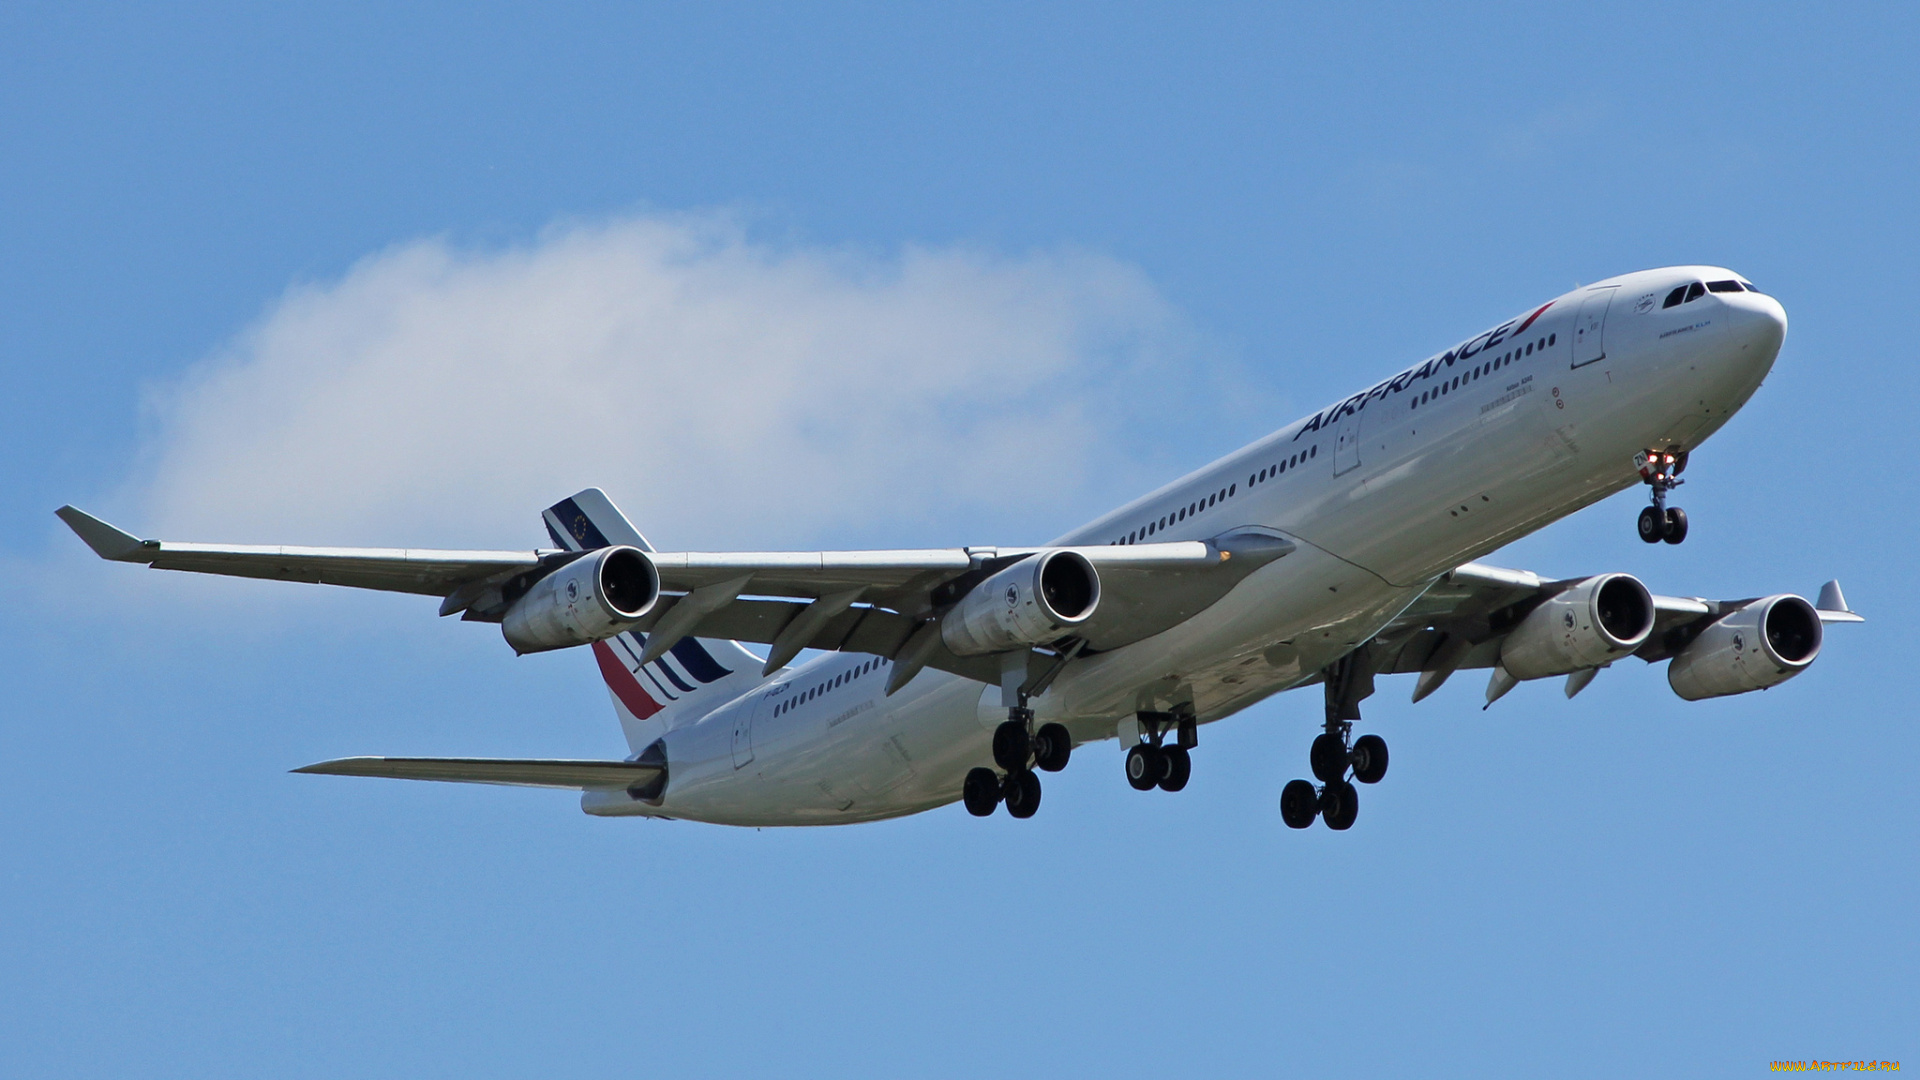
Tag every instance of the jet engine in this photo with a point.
(1039, 599)
(1760, 644)
(592, 598)
(1595, 622)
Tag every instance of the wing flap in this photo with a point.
(517, 772)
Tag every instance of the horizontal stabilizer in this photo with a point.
(534, 772)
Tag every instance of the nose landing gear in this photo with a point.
(1661, 470)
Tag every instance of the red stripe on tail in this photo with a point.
(624, 685)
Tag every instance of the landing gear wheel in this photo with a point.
(1339, 805)
(1051, 747)
(1299, 804)
(1653, 524)
(981, 792)
(1369, 759)
(1676, 525)
(1022, 793)
(1328, 757)
(1178, 768)
(1011, 746)
(1144, 767)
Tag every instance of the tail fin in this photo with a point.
(695, 677)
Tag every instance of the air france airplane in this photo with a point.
(1331, 552)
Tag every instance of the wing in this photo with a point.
(856, 601)
(1465, 615)
(534, 772)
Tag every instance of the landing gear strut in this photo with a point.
(1661, 470)
(1153, 762)
(1017, 749)
(1334, 752)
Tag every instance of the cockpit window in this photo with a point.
(1724, 286)
(1674, 297)
(1750, 285)
(1695, 291)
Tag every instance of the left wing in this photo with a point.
(1464, 618)
(885, 603)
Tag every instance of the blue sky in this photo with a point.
(937, 276)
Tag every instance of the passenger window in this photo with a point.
(1551, 338)
(1694, 292)
(1723, 286)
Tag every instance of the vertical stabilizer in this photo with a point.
(690, 680)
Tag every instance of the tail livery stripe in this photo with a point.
(666, 670)
(586, 535)
(698, 661)
(624, 685)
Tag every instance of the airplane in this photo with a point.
(1336, 550)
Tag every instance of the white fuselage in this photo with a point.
(1382, 493)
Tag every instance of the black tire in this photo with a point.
(1339, 805)
(1370, 759)
(1177, 770)
(981, 792)
(1051, 747)
(1144, 767)
(1328, 757)
(1011, 746)
(1022, 794)
(1676, 525)
(1653, 525)
(1299, 804)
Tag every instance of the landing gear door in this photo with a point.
(1346, 442)
(1590, 327)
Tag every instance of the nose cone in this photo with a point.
(1759, 324)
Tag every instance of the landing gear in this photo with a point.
(1022, 792)
(1661, 470)
(1369, 759)
(1339, 805)
(1176, 768)
(1144, 767)
(1051, 747)
(1299, 804)
(1153, 762)
(1012, 746)
(1017, 747)
(981, 792)
(1331, 756)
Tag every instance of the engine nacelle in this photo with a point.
(1761, 644)
(1039, 599)
(1596, 622)
(592, 598)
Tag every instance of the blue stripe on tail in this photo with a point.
(585, 532)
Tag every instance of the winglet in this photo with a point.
(107, 541)
(1832, 605)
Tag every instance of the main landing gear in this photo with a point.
(1152, 762)
(1017, 749)
(1661, 470)
(1335, 752)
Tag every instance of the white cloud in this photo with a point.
(727, 392)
